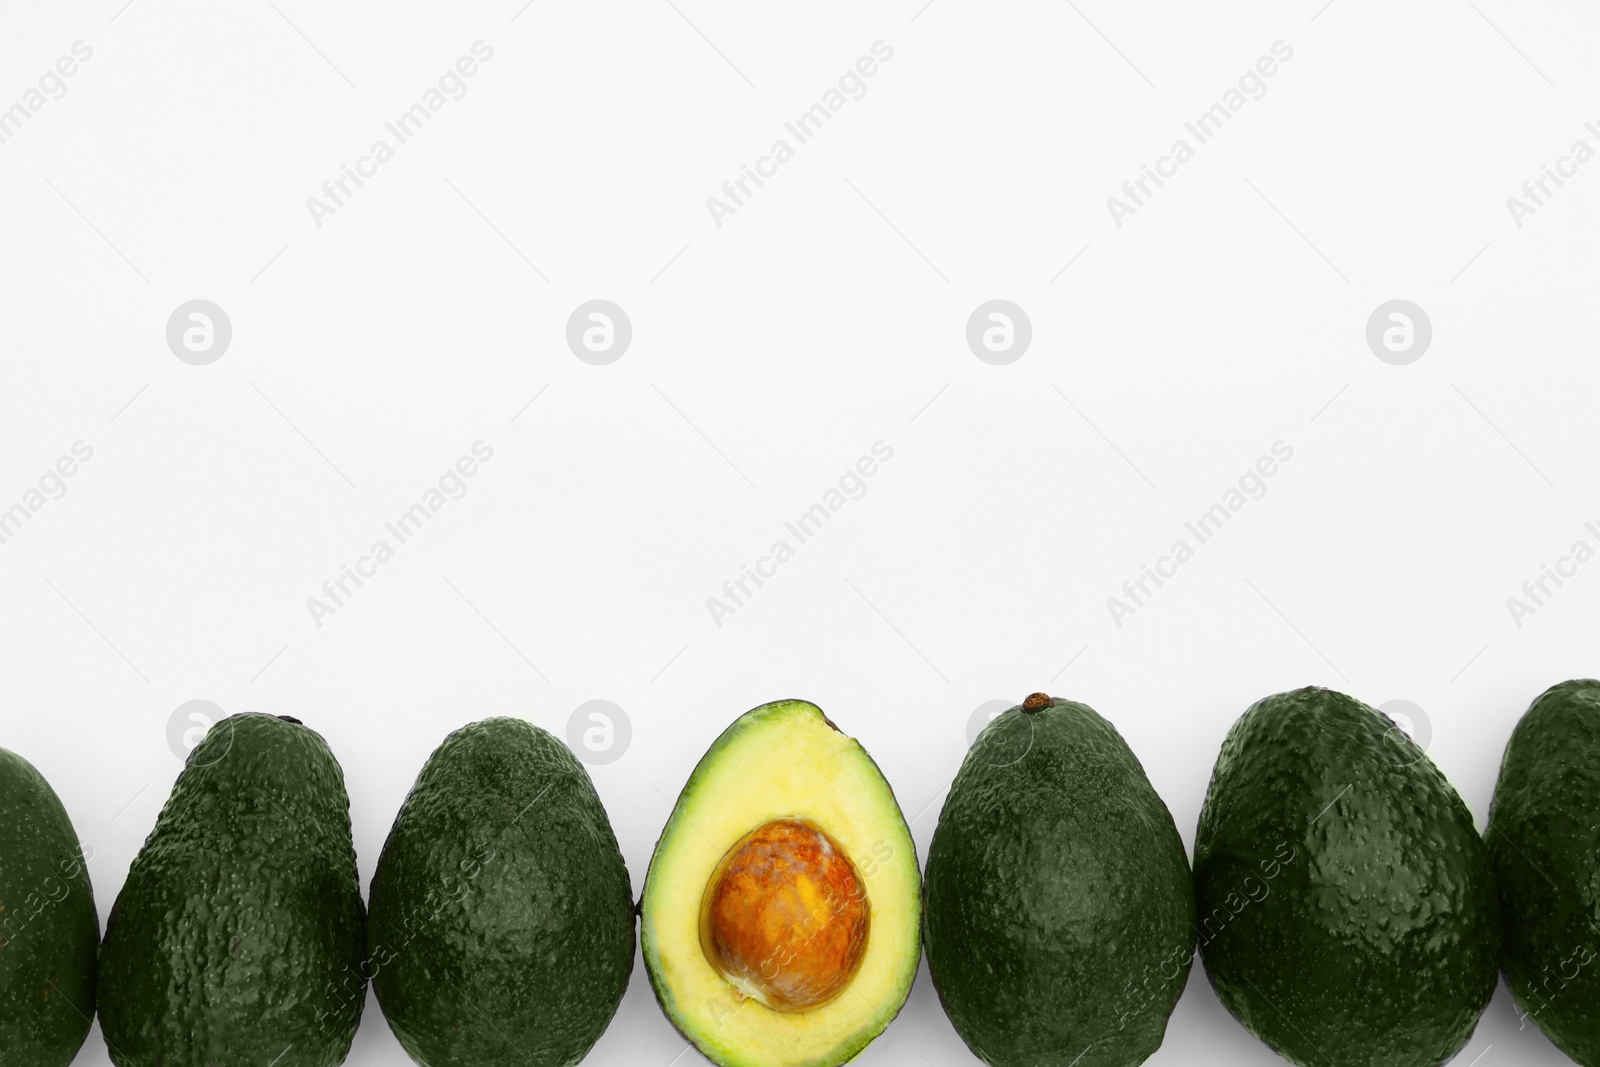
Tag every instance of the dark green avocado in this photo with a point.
(238, 938)
(1059, 912)
(1544, 836)
(1347, 906)
(49, 929)
(502, 928)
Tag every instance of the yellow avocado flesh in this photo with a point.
(781, 761)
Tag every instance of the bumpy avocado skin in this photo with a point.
(1347, 904)
(49, 930)
(1059, 913)
(502, 928)
(1544, 835)
(239, 936)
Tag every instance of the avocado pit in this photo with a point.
(785, 917)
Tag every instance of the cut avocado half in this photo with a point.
(782, 909)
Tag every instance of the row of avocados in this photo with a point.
(1345, 908)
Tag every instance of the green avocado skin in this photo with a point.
(49, 930)
(1544, 836)
(502, 928)
(238, 938)
(1347, 906)
(1058, 909)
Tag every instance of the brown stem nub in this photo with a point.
(1036, 701)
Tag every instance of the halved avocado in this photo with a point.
(782, 909)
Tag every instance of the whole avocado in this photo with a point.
(49, 929)
(1544, 837)
(1347, 905)
(1059, 911)
(502, 927)
(239, 936)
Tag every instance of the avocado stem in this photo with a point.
(1036, 701)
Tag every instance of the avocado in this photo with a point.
(781, 908)
(238, 938)
(502, 924)
(1060, 913)
(1545, 842)
(1347, 905)
(49, 929)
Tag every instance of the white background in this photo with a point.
(768, 355)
